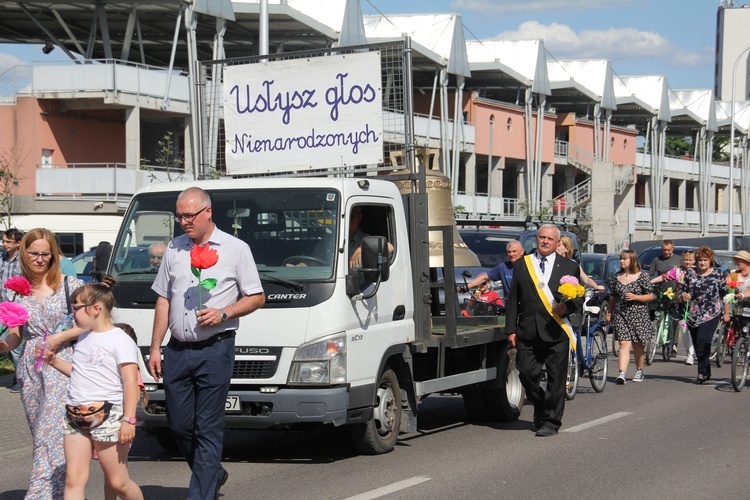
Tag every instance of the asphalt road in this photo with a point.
(664, 438)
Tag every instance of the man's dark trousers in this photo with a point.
(550, 404)
(196, 383)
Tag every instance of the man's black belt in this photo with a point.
(203, 343)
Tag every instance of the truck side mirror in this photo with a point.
(376, 262)
(376, 268)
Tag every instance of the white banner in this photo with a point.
(299, 114)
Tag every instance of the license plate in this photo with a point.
(232, 405)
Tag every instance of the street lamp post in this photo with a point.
(730, 235)
(489, 166)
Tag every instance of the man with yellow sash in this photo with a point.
(536, 324)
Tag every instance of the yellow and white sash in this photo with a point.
(545, 295)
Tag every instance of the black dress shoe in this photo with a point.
(546, 431)
(221, 482)
(700, 379)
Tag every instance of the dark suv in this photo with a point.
(489, 243)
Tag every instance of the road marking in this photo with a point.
(598, 421)
(391, 488)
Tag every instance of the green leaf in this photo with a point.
(209, 283)
(196, 272)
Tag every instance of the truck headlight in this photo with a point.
(322, 362)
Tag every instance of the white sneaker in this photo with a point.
(690, 360)
(638, 376)
(620, 379)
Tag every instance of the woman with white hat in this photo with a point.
(742, 263)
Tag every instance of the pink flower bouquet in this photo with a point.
(676, 274)
(13, 315)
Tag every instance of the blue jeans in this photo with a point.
(196, 385)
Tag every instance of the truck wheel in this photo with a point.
(380, 434)
(504, 396)
(165, 438)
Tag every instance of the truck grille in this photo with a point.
(254, 369)
(244, 369)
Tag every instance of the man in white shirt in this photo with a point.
(199, 357)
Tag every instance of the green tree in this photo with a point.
(720, 150)
(679, 145)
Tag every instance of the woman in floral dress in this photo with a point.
(43, 392)
(705, 288)
(631, 293)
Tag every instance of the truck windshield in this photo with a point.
(292, 233)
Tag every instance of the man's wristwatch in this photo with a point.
(223, 315)
(130, 420)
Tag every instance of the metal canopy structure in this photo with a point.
(693, 112)
(741, 125)
(504, 71)
(643, 101)
(586, 89)
(142, 31)
(436, 39)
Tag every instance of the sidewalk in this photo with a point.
(15, 437)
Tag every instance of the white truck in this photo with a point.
(333, 345)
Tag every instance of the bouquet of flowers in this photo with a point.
(676, 274)
(570, 288)
(731, 280)
(13, 315)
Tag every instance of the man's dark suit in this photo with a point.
(540, 339)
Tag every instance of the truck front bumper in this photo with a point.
(260, 410)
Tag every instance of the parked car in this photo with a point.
(489, 243)
(601, 267)
(490, 246)
(84, 264)
(726, 257)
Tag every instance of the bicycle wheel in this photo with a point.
(599, 360)
(667, 352)
(739, 365)
(571, 382)
(650, 346)
(721, 346)
(715, 341)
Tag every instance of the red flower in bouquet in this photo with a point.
(19, 285)
(203, 257)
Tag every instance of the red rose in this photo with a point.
(203, 257)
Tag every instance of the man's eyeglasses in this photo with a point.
(188, 218)
(37, 255)
(77, 307)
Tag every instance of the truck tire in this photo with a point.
(165, 438)
(380, 434)
(504, 396)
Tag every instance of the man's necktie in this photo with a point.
(542, 263)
